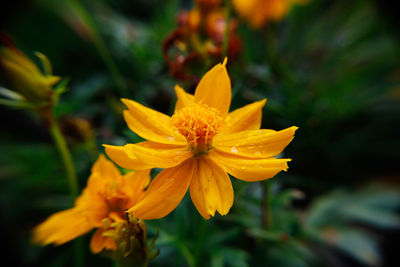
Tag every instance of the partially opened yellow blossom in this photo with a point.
(26, 77)
(102, 205)
(258, 12)
(198, 146)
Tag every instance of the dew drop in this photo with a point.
(234, 150)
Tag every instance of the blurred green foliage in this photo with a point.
(330, 67)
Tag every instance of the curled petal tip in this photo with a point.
(125, 101)
(225, 61)
(263, 101)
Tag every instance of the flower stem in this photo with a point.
(225, 42)
(65, 154)
(79, 251)
(100, 46)
(202, 237)
(265, 205)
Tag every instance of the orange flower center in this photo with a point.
(199, 123)
(116, 200)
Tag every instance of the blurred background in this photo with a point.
(330, 67)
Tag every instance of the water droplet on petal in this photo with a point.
(234, 150)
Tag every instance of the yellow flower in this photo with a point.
(258, 12)
(198, 146)
(102, 205)
(26, 77)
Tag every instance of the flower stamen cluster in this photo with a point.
(199, 123)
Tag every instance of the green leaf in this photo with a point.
(47, 68)
(229, 257)
(268, 235)
(17, 104)
(356, 244)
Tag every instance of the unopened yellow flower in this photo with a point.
(198, 146)
(102, 205)
(26, 77)
(258, 12)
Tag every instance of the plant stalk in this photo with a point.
(66, 157)
(266, 218)
(100, 46)
(65, 154)
(225, 42)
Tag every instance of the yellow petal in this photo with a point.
(244, 7)
(245, 118)
(151, 124)
(211, 189)
(61, 227)
(105, 168)
(136, 182)
(93, 205)
(100, 242)
(165, 192)
(52, 80)
(183, 99)
(278, 9)
(214, 89)
(256, 143)
(159, 155)
(258, 12)
(122, 156)
(249, 169)
(252, 10)
(18, 58)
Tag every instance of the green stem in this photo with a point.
(265, 205)
(16, 103)
(100, 46)
(202, 234)
(225, 41)
(63, 149)
(190, 260)
(90, 146)
(79, 250)
(65, 154)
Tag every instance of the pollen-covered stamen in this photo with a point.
(199, 123)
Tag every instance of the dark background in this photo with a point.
(334, 73)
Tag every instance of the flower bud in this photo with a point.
(130, 237)
(25, 77)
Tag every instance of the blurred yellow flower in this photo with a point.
(26, 77)
(259, 12)
(197, 146)
(102, 205)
